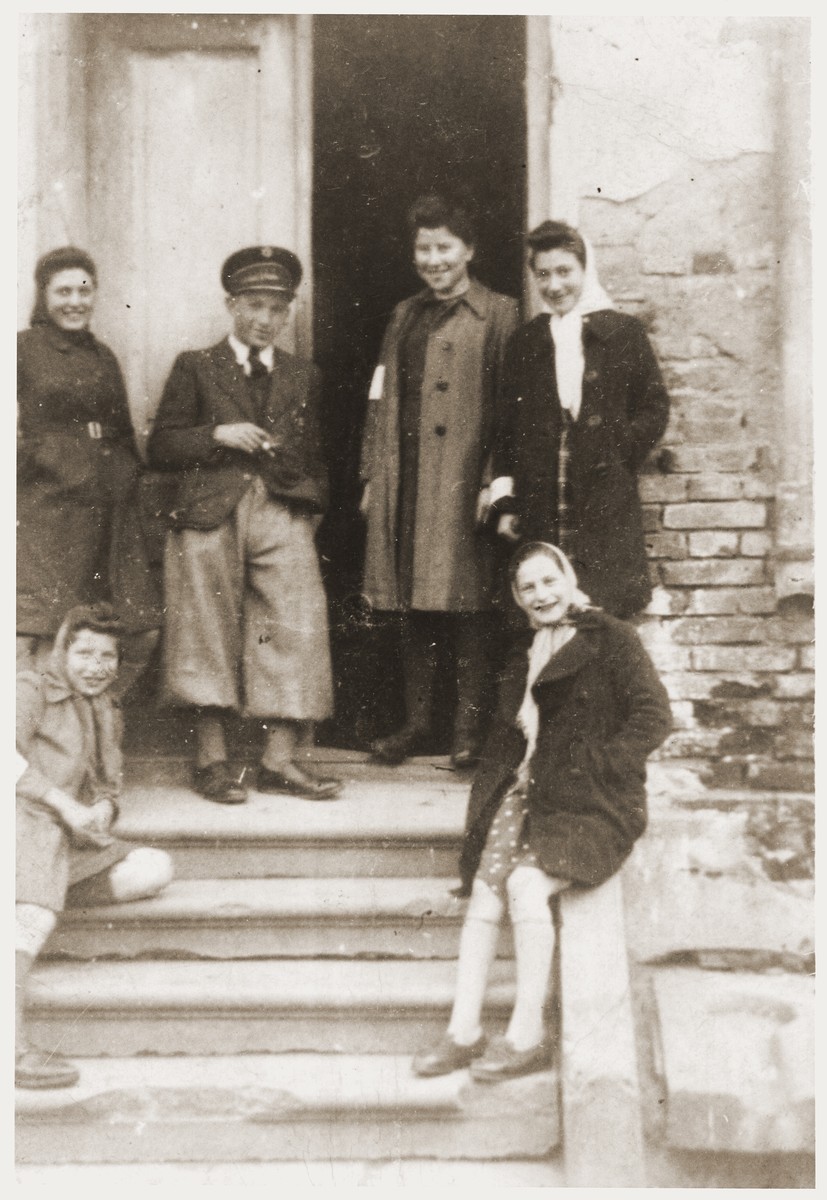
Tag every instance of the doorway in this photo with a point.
(401, 105)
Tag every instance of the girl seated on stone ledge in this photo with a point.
(69, 758)
(558, 800)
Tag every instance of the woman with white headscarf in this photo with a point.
(558, 801)
(581, 406)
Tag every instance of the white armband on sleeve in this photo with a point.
(503, 486)
(377, 384)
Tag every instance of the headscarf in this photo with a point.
(567, 334)
(547, 641)
(96, 715)
(65, 258)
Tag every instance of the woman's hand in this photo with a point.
(508, 527)
(483, 505)
(243, 435)
(104, 814)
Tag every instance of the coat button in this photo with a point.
(442, 385)
(440, 430)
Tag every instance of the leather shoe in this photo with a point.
(447, 1056)
(395, 748)
(216, 782)
(35, 1068)
(296, 781)
(502, 1061)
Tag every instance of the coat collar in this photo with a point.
(477, 298)
(576, 653)
(599, 325)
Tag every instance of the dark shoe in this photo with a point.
(395, 748)
(35, 1068)
(502, 1061)
(464, 756)
(216, 782)
(295, 781)
(446, 1056)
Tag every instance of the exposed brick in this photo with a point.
(670, 658)
(769, 714)
(713, 543)
(796, 686)
(718, 629)
(741, 687)
(666, 545)
(723, 514)
(651, 518)
(692, 743)
(757, 600)
(683, 714)
(756, 545)
(743, 658)
(807, 658)
(747, 741)
(792, 630)
(665, 603)
(794, 743)
(723, 458)
(687, 685)
(714, 487)
(709, 571)
(662, 489)
(757, 487)
(725, 773)
(782, 777)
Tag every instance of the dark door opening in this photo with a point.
(402, 105)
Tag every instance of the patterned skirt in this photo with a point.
(506, 846)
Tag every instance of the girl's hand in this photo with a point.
(104, 814)
(483, 505)
(83, 822)
(364, 503)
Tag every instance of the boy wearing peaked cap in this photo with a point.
(246, 615)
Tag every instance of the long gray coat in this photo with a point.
(452, 567)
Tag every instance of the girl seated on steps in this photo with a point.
(558, 801)
(69, 758)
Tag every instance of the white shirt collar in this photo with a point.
(242, 354)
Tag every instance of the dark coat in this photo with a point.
(624, 411)
(79, 536)
(603, 710)
(452, 556)
(207, 388)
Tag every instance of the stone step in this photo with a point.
(279, 1107)
(243, 1006)
(383, 824)
(273, 918)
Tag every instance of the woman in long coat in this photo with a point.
(426, 467)
(69, 763)
(558, 800)
(581, 406)
(79, 538)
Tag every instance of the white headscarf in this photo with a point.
(567, 333)
(547, 641)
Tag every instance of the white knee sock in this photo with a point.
(477, 947)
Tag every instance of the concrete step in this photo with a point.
(383, 824)
(273, 918)
(283, 1107)
(204, 1007)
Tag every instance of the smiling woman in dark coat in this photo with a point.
(581, 406)
(559, 800)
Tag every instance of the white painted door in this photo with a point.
(199, 142)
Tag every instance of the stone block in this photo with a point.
(666, 545)
(718, 629)
(651, 518)
(795, 686)
(756, 545)
(807, 658)
(688, 685)
(734, 1080)
(705, 572)
(781, 776)
(743, 658)
(714, 487)
(792, 630)
(691, 743)
(662, 489)
(794, 743)
(735, 514)
(713, 544)
(725, 773)
(735, 458)
(666, 603)
(757, 600)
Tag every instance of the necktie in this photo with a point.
(257, 381)
(257, 368)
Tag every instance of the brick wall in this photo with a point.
(694, 259)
